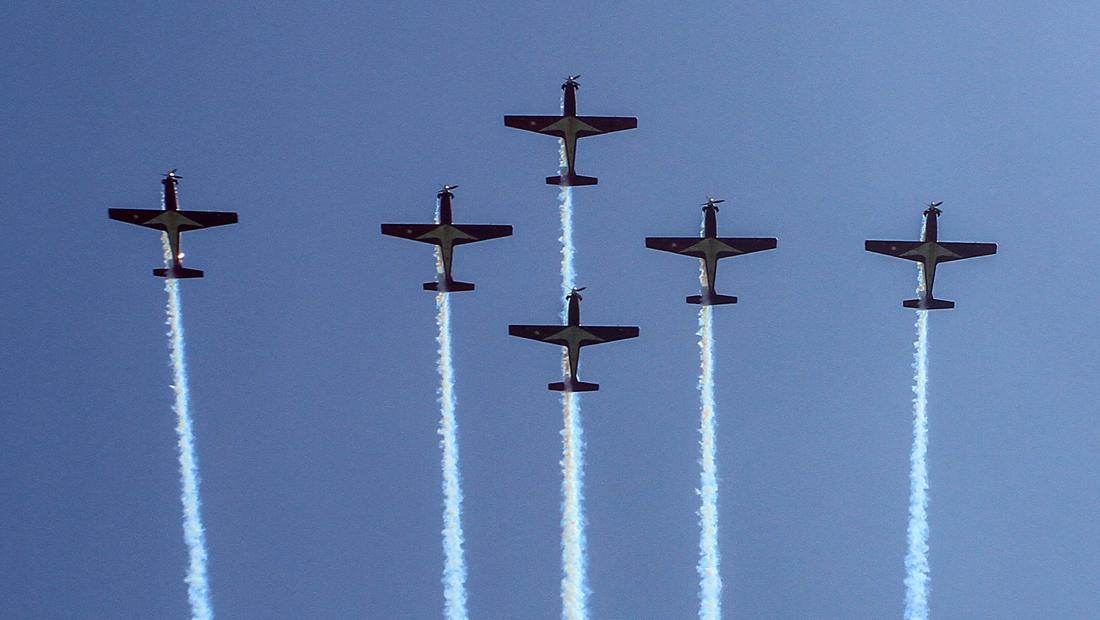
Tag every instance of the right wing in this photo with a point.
(967, 250)
(207, 219)
(895, 248)
(410, 231)
(481, 232)
(537, 332)
(533, 123)
(608, 333)
(607, 124)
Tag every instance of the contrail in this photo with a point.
(574, 589)
(710, 581)
(454, 566)
(916, 557)
(198, 588)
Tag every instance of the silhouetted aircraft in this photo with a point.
(569, 127)
(573, 336)
(173, 221)
(929, 252)
(710, 248)
(447, 235)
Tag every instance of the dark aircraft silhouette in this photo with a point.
(173, 221)
(569, 127)
(929, 252)
(447, 235)
(573, 336)
(710, 248)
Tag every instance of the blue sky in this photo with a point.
(312, 348)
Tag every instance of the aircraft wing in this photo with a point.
(186, 220)
(608, 334)
(967, 250)
(207, 219)
(533, 123)
(606, 124)
(542, 333)
(481, 232)
(410, 231)
(141, 217)
(896, 249)
(689, 246)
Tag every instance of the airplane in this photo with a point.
(173, 222)
(446, 235)
(569, 127)
(929, 252)
(711, 248)
(573, 336)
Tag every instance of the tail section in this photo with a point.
(178, 272)
(928, 304)
(449, 286)
(572, 180)
(574, 386)
(712, 300)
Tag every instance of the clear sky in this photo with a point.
(312, 346)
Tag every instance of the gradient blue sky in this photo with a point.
(312, 347)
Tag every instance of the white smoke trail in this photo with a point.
(574, 589)
(916, 557)
(454, 567)
(198, 588)
(454, 562)
(710, 581)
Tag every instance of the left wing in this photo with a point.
(481, 232)
(966, 250)
(532, 123)
(608, 333)
(410, 231)
(675, 245)
(606, 124)
(141, 217)
(541, 333)
(897, 249)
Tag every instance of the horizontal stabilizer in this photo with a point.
(574, 386)
(178, 272)
(572, 180)
(449, 287)
(712, 300)
(928, 304)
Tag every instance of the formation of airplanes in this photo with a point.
(928, 251)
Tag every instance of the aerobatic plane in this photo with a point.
(569, 127)
(173, 222)
(710, 248)
(573, 336)
(929, 252)
(446, 235)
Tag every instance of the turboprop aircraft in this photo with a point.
(569, 127)
(573, 336)
(446, 235)
(710, 248)
(173, 222)
(930, 252)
